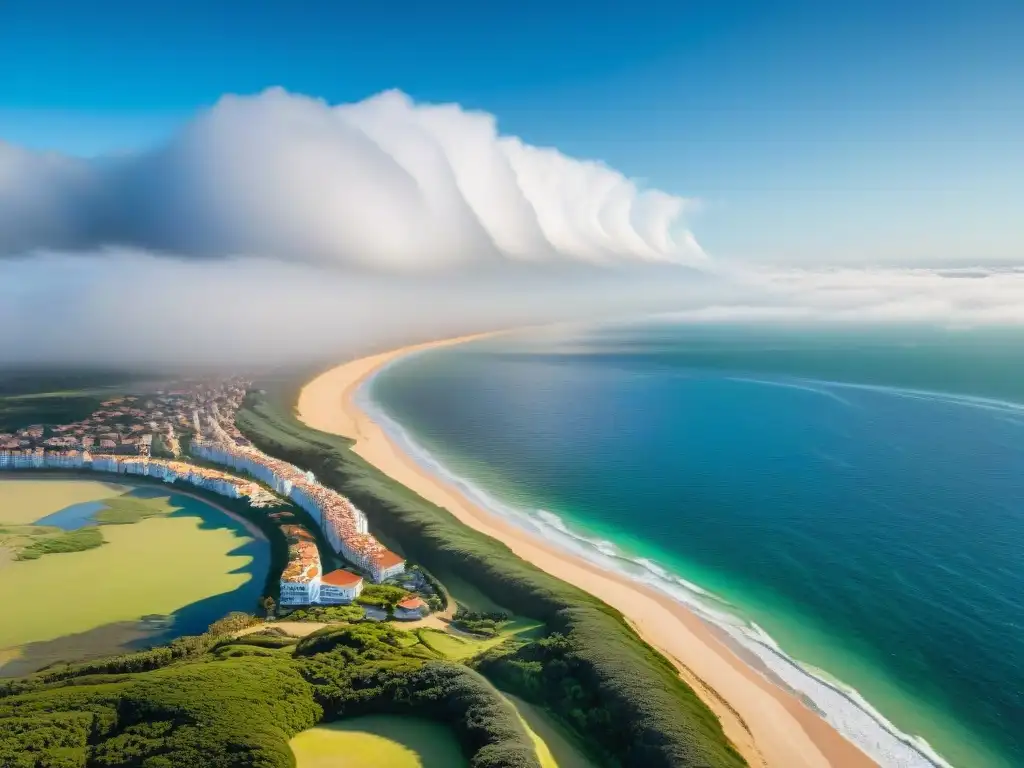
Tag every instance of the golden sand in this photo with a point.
(768, 725)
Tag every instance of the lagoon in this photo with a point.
(152, 580)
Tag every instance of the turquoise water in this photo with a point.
(849, 498)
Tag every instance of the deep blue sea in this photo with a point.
(846, 502)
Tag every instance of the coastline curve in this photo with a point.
(768, 725)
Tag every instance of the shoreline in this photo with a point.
(768, 725)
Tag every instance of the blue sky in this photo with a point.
(813, 132)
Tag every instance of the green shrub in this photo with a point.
(78, 540)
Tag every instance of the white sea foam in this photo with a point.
(841, 706)
(795, 384)
(944, 398)
(607, 548)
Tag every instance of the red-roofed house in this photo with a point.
(410, 608)
(384, 564)
(340, 587)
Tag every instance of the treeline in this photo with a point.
(227, 702)
(223, 713)
(479, 623)
(367, 669)
(631, 707)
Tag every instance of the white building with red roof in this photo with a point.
(410, 608)
(339, 587)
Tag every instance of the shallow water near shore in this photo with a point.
(848, 499)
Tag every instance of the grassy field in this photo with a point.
(463, 646)
(468, 596)
(25, 500)
(378, 741)
(135, 507)
(556, 748)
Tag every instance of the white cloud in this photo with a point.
(946, 297)
(124, 306)
(277, 228)
(384, 184)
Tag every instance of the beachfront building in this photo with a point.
(344, 526)
(300, 580)
(279, 475)
(385, 564)
(27, 459)
(303, 581)
(340, 587)
(63, 459)
(213, 480)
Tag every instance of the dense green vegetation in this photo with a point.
(132, 507)
(326, 613)
(61, 541)
(623, 698)
(459, 646)
(30, 542)
(480, 623)
(227, 702)
(382, 596)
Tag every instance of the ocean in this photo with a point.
(846, 502)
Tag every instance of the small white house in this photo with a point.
(410, 609)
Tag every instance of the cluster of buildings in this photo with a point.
(168, 471)
(121, 437)
(344, 526)
(303, 581)
(112, 431)
(134, 425)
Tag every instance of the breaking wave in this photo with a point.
(840, 705)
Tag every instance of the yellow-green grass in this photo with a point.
(155, 566)
(459, 646)
(25, 500)
(555, 747)
(378, 741)
(14, 537)
(468, 596)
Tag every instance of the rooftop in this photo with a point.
(387, 558)
(341, 578)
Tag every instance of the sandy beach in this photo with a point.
(768, 725)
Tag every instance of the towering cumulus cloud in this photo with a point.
(383, 184)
